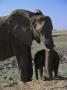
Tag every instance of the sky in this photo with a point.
(56, 9)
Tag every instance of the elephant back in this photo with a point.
(2, 19)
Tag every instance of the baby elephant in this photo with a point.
(39, 61)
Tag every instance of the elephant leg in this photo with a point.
(41, 73)
(56, 59)
(25, 64)
(24, 59)
(55, 71)
(55, 68)
(23, 68)
(30, 63)
(36, 72)
(48, 64)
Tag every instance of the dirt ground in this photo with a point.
(37, 85)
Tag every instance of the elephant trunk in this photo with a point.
(49, 43)
(48, 64)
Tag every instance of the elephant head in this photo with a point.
(24, 24)
(42, 29)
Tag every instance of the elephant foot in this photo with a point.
(58, 78)
(26, 80)
(46, 79)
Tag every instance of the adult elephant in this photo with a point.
(21, 27)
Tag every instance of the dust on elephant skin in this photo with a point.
(39, 61)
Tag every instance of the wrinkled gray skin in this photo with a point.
(17, 32)
(39, 62)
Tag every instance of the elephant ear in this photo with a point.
(19, 26)
(23, 34)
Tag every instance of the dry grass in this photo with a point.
(38, 85)
(63, 32)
